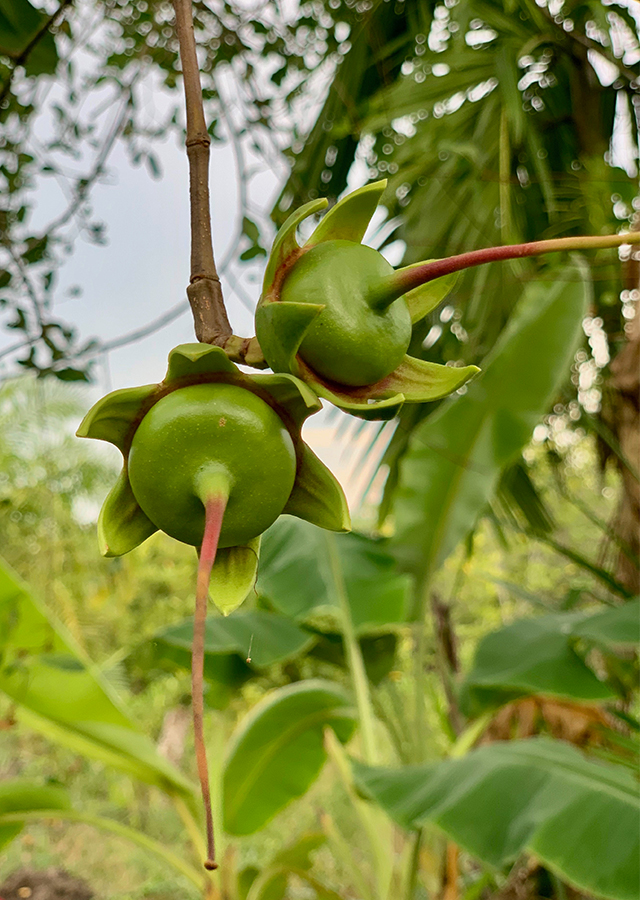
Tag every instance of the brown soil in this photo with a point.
(52, 884)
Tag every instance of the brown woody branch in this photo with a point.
(204, 290)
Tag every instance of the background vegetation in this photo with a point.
(488, 596)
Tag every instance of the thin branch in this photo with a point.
(204, 291)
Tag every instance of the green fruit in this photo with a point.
(207, 434)
(353, 341)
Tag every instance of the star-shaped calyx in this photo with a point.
(210, 431)
(336, 314)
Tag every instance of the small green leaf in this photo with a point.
(234, 575)
(197, 359)
(22, 795)
(112, 417)
(423, 299)
(349, 219)
(122, 525)
(291, 394)
(317, 495)
(285, 243)
(420, 381)
(280, 328)
(278, 751)
(357, 401)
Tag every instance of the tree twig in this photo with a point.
(204, 291)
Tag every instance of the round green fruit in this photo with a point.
(355, 340)
(208, 435)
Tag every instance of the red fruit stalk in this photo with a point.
(214, 512)
(414, 276)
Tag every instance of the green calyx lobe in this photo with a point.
(206, 440)
(360, 336)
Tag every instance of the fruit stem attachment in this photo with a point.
(204, 290)
(413, 276)
(214, 506)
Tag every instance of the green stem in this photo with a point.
(414, 866)
(124, 831)
(419, 654)
(504, 163)
(355, 661)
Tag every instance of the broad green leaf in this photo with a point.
(265, 637)
(618, 627)
(21, 795)
(278, 751)
(580, 818)
(455, 457)
(531, 656)
(59, 693)
(296, 577)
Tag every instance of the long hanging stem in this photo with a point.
(204, 291)
(214, 512)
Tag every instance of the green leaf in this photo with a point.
(266, 637)
(618, 627)
(271, 883)
(357, 401)
(455, 457)
(20, 22)
(234, 575)
(531, 656)
(122, 525)
(285, 243)
(420, 381)
(112, 417)
(22, 795)
(189, 360)
(422, 300)
(278, 751)
(349, 218)
(578, 817)
(59, 693)
(280, 328)
(289, 392)
(317, 495)
(296, 577)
